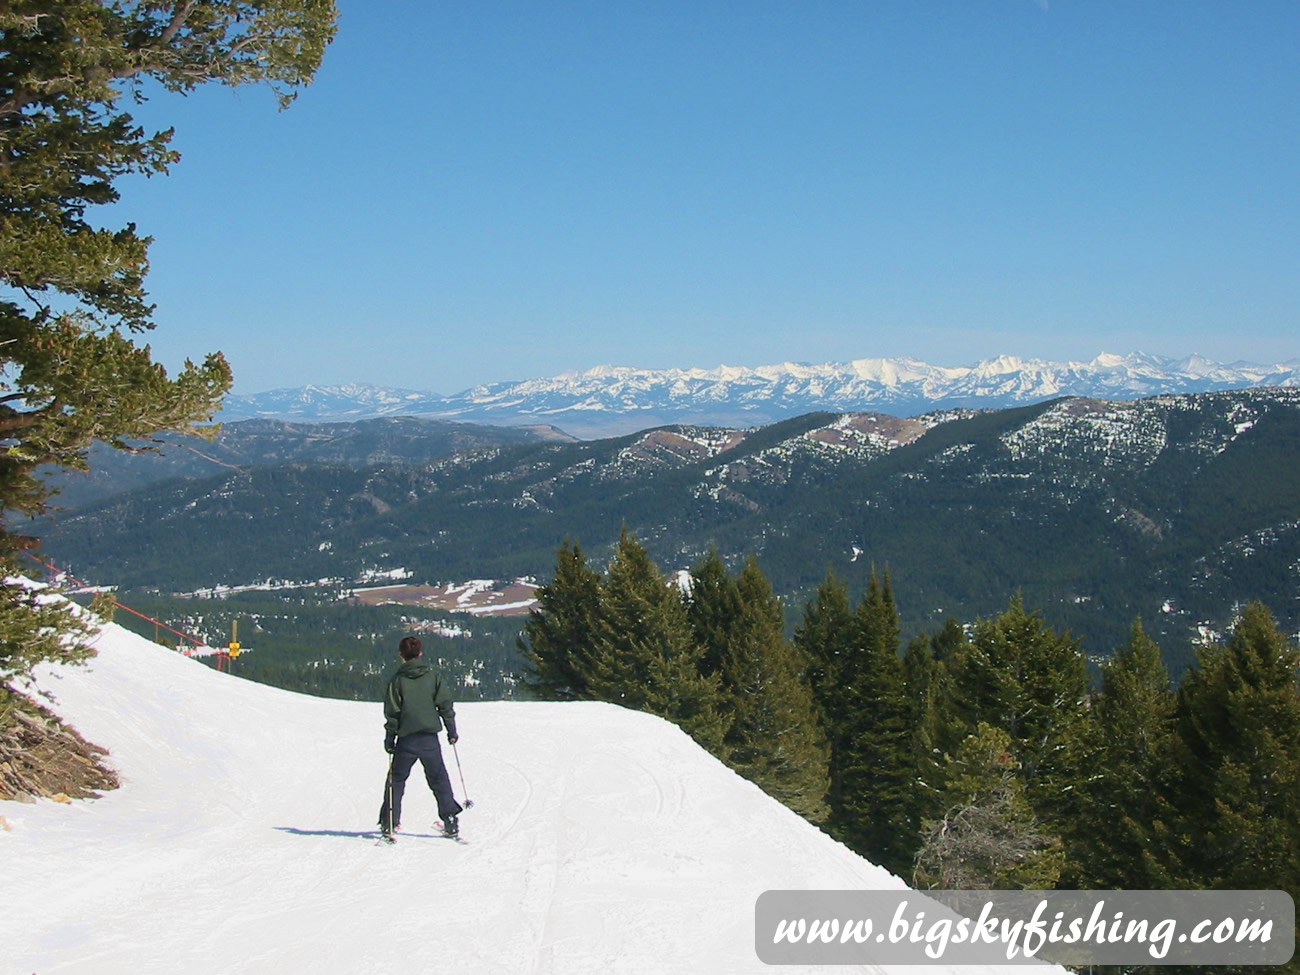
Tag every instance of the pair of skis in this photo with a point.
(386, 837)
(389, 839)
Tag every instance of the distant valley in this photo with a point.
(1174, 508)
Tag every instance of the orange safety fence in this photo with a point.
(120, 605)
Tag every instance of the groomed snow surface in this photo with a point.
(600, 840)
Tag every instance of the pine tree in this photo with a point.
(1018, 675)
(72, 292)
(1115, 821)
(1238, 721)
(774, 739)
(825, 639)
(988, 837)
(713, 606)
(560, 632)
(875, 761)
(645, 656)
(936, 731)
(857, 681)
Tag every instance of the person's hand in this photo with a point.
(390, 743)
(452, 738)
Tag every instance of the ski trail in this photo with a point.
(241, 841)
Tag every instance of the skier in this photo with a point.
(416, 706)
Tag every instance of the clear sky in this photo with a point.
(498, 190)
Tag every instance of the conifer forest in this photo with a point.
(987, 755)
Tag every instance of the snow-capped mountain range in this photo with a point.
(613, 400)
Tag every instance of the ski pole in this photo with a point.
(392, 757)
(463, 791)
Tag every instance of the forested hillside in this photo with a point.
(981, 756)
(264, 442)
(1176, 509)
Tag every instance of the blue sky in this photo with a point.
(482, 192)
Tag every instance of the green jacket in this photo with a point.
(417, 700)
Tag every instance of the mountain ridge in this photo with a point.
(1172, 508)
(612, 400)
(241, 444)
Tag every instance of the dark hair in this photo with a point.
(410, 647)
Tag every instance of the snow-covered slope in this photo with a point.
(601, 840)
(613, 400)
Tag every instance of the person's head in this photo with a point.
(410, 647)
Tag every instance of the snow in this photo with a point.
(606, 392)
(601, 840)
(497, 609)
(369, 575)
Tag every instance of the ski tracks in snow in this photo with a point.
(600, 840)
